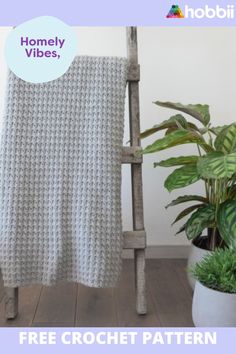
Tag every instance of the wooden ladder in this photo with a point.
(135, 239)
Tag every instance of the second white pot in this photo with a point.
(213, 308)
(196, 254)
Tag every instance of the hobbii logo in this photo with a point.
(210, 12)
(226, 12)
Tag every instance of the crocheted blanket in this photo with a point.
(60, 176)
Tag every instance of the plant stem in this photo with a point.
(210, 138)
(213, 241)
(199, 151)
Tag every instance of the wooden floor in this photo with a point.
(69, 305)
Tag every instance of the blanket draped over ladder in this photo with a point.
(60, 176)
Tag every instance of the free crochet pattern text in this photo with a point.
(34, 47)
(119, 337)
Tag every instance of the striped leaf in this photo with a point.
(189, 126)
(201, 219)
(187, 198)
(226, 140)
(182, 177)
(171, 130)
(198, 111)
(215, 130)
(218, 130)
(226, 222)
(186, 212)
(217, 165)
(232, 192)
(177, 161)
(173, 122)
(175, 138)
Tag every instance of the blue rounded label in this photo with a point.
(41, 50)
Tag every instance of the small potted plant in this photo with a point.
(214, 164)
(214, 300)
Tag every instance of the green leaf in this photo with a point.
(217, 165)
(172, 123)
(189, 126)
(232, 191)
(175, 138)
(187, 198)
(181, 229)
(171, 130)
(177, 161)
(226, 222)
(198, 111)
(182, 177)
(199, 220)
(217, 130)
(185, 212)
(203, 130)
(226, 140)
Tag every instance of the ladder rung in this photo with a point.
(133, 72)
(134, 239)
(130, 154)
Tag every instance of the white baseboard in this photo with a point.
(162, 252)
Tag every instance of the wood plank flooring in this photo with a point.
(72, 305)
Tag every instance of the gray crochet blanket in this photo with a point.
(60, 176)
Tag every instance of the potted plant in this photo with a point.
(214, 300)
(214, 164)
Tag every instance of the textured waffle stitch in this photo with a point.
(60, 176)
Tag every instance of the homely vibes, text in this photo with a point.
(34, 47)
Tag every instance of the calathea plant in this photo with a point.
(214, 164)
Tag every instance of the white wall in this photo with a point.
(189, 65)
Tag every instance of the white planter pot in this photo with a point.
(213, 308)
(196, 254)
